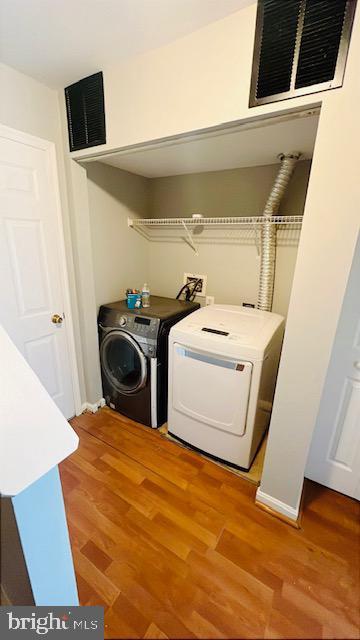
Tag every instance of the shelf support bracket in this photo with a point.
(189, 239)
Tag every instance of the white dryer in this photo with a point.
(223, 363)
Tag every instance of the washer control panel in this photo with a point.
(145, 330)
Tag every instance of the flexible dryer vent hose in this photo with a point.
(268, 231)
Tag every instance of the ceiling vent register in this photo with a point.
(300, 47)
(86, 112)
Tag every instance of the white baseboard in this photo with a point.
(93, 408)
(277, 505)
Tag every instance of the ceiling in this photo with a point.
(243, 146)
(61, 41)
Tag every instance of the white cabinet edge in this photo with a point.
(34, 434)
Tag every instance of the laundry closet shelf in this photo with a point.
(227, 230)
(214, 222)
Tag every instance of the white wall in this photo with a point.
(232, 269)
(120, 256)
(204, 80)
(329, 233)
(28, 106)
(200, 80)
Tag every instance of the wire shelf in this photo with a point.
(227, 230)
(214, 222)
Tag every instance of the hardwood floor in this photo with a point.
(173, 546)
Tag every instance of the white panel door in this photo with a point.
(334, 458)
(30, 277)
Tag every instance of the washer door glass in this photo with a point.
(123, 362)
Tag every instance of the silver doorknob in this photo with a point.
(56, 319)
(357, 364)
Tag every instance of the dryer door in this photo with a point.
(123, 362)
(211, 389)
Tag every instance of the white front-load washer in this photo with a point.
(223, 363)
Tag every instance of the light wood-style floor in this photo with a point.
(173, 546)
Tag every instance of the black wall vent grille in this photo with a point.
(300, 47)
(277, 47)
(321, 34)
(86, 112)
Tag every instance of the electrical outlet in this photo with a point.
(209, 300)
(201, 286)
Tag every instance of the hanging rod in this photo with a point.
(213, 222)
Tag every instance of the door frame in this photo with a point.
(50, 149)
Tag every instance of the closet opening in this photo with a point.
(193, 206)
